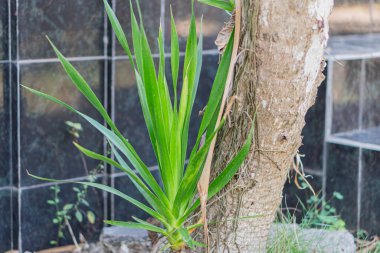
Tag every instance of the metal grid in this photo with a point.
(349, 48)
(108, 59)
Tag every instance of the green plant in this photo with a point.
(315, 213)
(167, 122)
(287, 240)
(78, 209)
(366, 243)
(287, 235)
(64, 214)
(319, 213)
(377, 248)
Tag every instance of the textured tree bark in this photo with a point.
(278, 72)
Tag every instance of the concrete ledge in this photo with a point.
(314, 240)
(125, 240)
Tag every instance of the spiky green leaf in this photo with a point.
(137, 225)
(221, 4)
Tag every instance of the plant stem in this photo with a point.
(72, 234)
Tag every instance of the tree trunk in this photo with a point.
(278, 73)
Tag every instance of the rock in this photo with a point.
(125, 240)
(313, 240)
(91, 248)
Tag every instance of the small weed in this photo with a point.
(286, 239)
(366, 243)
(80, 209)
(316, 213)
(319, 213)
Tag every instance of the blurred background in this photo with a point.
(341, 136)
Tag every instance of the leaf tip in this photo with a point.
(171, 10)
(106, 4)
(48, 39)
(58, 53)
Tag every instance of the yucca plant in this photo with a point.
(167, 121)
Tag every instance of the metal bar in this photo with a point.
(167, 55)
(351, 143)
(343, 134)
(121, 174)
(359, 193)
(106, 41)
(347, 57)
(361, 93)
(10, 125)
(72, 59)
(313, 172)
(328, 123)
(18, 115)
(112, 104)
(10, 187)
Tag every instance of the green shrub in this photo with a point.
(167, 122)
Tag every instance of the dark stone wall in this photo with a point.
(33, 133)
(34, 137)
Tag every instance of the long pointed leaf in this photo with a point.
(216, 94)
(162, 231)
(174, 56)
(111, 190)
(221, 4)
(192, 174)
(189, 74)
(123, 166)
(175, 153)
(97, 156)
(161, 205)
(147, 115)
(118, 30)
(111, 136)
(186, 236)
(154, 91)
(130, 224)
(226, 175)
(86, 90)
(136, 38)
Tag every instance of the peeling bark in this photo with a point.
(278, 73)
